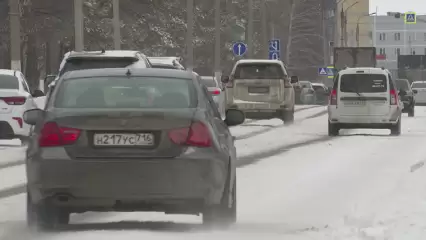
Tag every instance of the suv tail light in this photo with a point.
(197, 135)
(214, 91)
(14, 100)
(53, 135)
(393, 97)
(333, 97)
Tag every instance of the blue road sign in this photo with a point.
(274, 55)
(323, 71)
(239, 48)
(274, 45)
(410, 17)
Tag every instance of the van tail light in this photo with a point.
(197, 135)
(214, 91)
(53, 135)
(393, 97)
(333, 97)
(14, 100)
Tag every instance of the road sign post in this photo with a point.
(239, 49)
(274, 49)
(410, 18)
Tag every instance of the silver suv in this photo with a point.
(261, 89)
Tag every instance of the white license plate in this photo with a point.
(355, 103)
(123, 139)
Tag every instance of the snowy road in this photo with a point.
(293, 183)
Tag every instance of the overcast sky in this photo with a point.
(398, 6)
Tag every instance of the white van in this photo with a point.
(364, 98)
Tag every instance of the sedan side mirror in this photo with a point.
(32, 116)
(294, 79)
(38, 93)
(415, 91)
(234, 117)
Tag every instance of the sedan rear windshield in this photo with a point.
(363, 83)
(74, 64)
(419, 85)
(259, 71)
(402, 85)
(123, 92)
(208, 81)
(8, 82)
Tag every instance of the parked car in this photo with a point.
(321, 93)
(261, 89)
(420, 88)
(15, 99)
(97, 149)
(166, 62)
(407, 96)
(100, 59)
(308, 93)
(364, 98)
(217, 90)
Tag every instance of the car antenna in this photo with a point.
(128, 73)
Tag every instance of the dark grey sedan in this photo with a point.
(130, 140)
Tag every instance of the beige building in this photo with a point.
(356, 12)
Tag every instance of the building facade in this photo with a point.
(393, 37)
(353, 24)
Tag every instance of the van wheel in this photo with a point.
(411, 112)
(222, 215)
(333, 129)
(396, 129)
(288, 116)
(44, 216)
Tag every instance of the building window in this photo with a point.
(398, 51)
(397, 36)
(413, 51)
(382, 36)
(382, 51)
(424, 36)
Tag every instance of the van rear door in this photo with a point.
(363, 93)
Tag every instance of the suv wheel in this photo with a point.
(44, 216)
(333, 129)
(396, 129)
(411, 112)
(222, 214)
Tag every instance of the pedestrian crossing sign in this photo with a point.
(410, 18)
(322, 71)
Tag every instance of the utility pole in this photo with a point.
(189, 34)
(250, 30)
(265, 45)
(15, 35)
(78, 25)
(116, 24)
(324, 33)
(217, 47)
(342, 28)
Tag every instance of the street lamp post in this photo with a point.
(344, 18)
(357, 26)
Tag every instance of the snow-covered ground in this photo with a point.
(294, 182)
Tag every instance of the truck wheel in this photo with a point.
(396, 129)
(333, 129)
(411, 112)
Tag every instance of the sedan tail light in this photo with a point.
(197, 135)
(53, 135)
(14, 100)
(214, 91)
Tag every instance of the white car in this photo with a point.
(15, 99)
(217, 91)
(419, 87)
(364, 98)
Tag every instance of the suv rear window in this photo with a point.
(208, 81)
(83, 63)
(123, 92)
(259, 71)
(419, 85)
(363, 83)
(8, 82)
